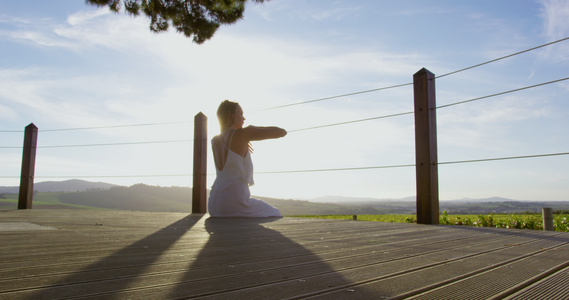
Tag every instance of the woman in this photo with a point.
(230, 195)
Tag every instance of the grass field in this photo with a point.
(143, 199)
(41, 200)
(519, 221)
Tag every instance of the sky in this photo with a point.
(115, 102)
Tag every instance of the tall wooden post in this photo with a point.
(426, 148)
(25, 198)
(199, 189)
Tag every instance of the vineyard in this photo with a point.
(517, 221)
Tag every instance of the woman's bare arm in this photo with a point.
(245, 135)
(254, 133)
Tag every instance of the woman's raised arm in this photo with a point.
(254, 133)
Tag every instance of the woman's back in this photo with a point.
(232, 168)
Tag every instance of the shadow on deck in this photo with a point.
(50, 254)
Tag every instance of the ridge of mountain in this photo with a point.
(345, 199)
(77, 185)
(72, 185)
(141, 197)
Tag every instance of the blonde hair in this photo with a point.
(226, 113)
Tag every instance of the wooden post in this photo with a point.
(199, 189)
(547, 214)
(25, 198)
(426, 148)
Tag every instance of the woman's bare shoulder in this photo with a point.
(216, 140)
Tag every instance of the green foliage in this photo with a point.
(42, 201)
(560, 223)
(527, 221)
(375, 218)
(194, 18)
(523, 221)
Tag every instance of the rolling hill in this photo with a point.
(97, 195)
(73, 185)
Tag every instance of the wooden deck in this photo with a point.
(72, 254)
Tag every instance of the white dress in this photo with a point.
(230, 195)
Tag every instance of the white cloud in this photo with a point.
(336, 13)
(555, 16)
(83, 29)
(13, 20)
(40, 39)
(10, 166)
(84, 17)
(7, 113)
(14, 89)
(267, 9)
(225, 67)
(36, 32)
(509, 109)
(32, 91)
(555, 26)
(99, 28)
(305, 9)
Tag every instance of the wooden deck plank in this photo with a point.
(418, 266)
(284, 259)
(553, 287)
(345, 258)
(503, 278)
(118, 255)
(474, 267)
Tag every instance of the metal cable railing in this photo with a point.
(304, 129)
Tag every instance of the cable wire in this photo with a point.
(314, 100)
(405, 84)
(502, 93)
(109, 176)
(350, 122)
(116, 144)
(441, 106)
(411, 165)
(102, 127)
(300, 129)
(502, 158)
(334, 97)
(106, 144)
(336, 169)
(314, 170)
(115, 126)
(17, 131)
(503, 57)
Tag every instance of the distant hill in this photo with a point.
(73, 185)
(140, 197)
(407, 205)
(492, 199)
(345, 200)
